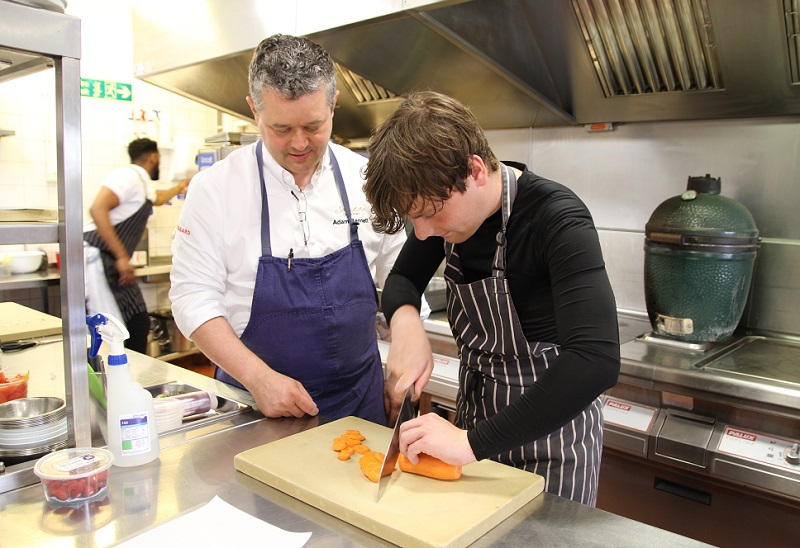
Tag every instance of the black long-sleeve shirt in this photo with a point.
(560, 291)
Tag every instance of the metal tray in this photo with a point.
(226, 407)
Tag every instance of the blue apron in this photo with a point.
(313, 319)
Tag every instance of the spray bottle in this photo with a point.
(132, 432)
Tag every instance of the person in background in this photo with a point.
(528, 298)
(119, 217)
(274, 259)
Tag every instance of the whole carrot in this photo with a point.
(431, 467)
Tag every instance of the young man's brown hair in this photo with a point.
(421, 152)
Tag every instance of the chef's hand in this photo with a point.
(410, 359)
(437, 437)
(125, 270)
(276, 395)
(280, 396)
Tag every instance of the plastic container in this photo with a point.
(169, 413)
(130, 416)
(194, 403)
(73, 476)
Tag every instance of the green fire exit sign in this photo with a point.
(106, 89)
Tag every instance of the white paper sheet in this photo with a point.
(203, 526)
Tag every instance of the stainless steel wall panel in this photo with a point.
(623, 175)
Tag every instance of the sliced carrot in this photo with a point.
(431, 467)
(370, 463)
(349, 443)
(355, 434)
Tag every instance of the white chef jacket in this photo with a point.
(132, 185)
(217, 243)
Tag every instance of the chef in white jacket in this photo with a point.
(275, 261)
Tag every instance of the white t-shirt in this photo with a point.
(132, 185)
(217, 243)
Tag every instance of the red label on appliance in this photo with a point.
(628, 415)
(618, 405)
(741, 435)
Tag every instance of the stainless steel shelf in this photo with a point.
(28, 233)
(43, 39)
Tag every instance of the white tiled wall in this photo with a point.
(28, 158)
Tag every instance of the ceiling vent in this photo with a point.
(650, 46)
(363, 90)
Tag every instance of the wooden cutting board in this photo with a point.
(413, 510)
(20, 322)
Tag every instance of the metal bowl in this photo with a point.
(27, 412)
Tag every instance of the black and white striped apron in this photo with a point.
(498, 365)
(128, 296)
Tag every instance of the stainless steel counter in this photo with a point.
(721, 372)
(197, 464)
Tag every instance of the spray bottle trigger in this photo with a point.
(94, 322)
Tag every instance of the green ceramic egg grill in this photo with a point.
(700, 249)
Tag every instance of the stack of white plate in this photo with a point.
(32, 426)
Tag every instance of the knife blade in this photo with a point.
(393, 451)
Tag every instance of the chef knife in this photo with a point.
(22, 344)
(393, 451)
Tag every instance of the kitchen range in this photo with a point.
(706, 434)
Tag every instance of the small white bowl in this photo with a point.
(23, 262)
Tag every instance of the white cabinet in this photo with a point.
(52, 39)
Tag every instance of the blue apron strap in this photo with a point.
(266, 244)
(337, 174)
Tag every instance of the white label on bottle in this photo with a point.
(134, 433)
(629, 415)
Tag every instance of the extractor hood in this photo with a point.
(535, 63)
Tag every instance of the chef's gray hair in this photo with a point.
(293, 67)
